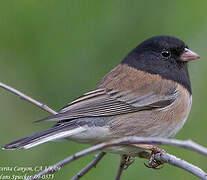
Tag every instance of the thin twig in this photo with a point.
(129, 140)
(172, 160)
(121, 167)
(92, 164)
(186, 144)
(27, 98)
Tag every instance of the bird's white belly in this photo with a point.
(128, 150)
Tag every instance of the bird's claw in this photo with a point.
(153, 163)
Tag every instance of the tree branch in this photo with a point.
(27, 98)
(121, 167)
(188, 144)
(92, 164)
(171, 159)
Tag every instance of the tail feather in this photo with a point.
(56, 132)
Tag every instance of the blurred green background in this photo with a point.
(55, 51)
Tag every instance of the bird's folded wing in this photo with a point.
(108, 102)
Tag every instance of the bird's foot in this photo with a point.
(128, 161)
(153, 163)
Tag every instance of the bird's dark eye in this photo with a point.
(165, 53)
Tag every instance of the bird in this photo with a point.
(147, 95)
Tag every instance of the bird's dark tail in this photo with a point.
(55, 133)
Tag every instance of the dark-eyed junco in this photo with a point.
(147, 95)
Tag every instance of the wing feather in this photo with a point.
(109, 102)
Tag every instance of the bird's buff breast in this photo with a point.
(178, 114)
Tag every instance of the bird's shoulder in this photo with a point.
(127, 78)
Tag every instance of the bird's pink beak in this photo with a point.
(188, 55)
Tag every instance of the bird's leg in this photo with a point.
(129, 161)
(152, 162)
(154, 150)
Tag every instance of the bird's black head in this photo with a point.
(163, 55)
